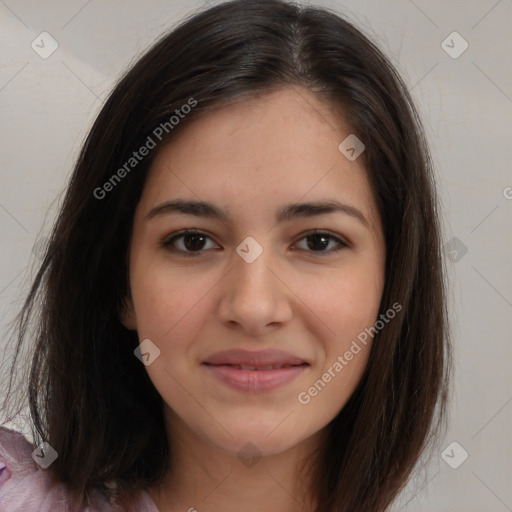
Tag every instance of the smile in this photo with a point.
(255, 378)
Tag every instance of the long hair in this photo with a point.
(93, 401)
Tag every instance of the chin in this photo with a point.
(264, 440)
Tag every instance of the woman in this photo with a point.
(243, 300)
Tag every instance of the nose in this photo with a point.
(255, 299)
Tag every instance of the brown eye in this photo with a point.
(319, 241)
(188, 242)
(194, 242)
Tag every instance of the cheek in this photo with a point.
(348, 303)
(347, 308)
(171, 309)
(166, 298)
(347, 300)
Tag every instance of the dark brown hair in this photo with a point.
(93, 401)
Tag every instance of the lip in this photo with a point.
(268, 357)
(225, 366)
(255, 380)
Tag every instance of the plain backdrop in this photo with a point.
(48, 104)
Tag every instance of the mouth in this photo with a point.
(260, 359)
(254, 378)
(246, 367)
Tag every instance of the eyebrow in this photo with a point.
(289, 212)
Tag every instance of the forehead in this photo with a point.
(264, 129)
(281, 146)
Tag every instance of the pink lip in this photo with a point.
(268, 357)
(255, 380)
(225, 366)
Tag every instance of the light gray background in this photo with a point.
(48, 105)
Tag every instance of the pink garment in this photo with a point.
(26, 487)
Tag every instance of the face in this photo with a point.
(261, 271)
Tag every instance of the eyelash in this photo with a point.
(168, 241)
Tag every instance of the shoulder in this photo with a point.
(27, 487)
(15, 456)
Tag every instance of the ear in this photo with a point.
(127, 315)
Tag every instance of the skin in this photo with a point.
(251, 158)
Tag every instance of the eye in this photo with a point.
(319, 241)
(188, 242)
(193, 243)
